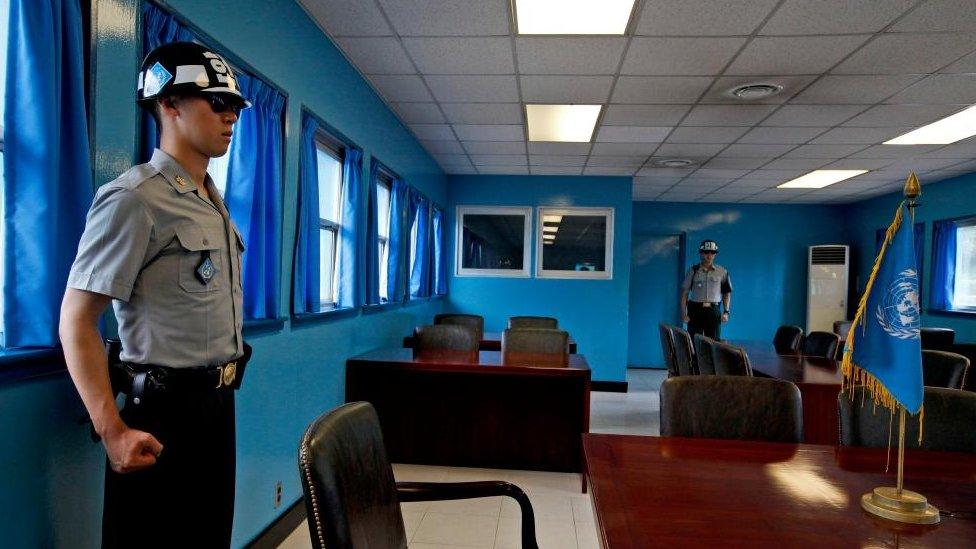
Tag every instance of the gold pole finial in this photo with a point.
(912, 187)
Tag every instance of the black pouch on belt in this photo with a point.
(241, 365)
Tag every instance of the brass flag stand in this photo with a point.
(896, 503)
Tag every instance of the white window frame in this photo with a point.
(525, 211)
(335, 149)
(969, 225)
(384, 179)
(540, 272)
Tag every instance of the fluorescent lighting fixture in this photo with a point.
(950, 129)
(549, 242)
(568, 123)
(552, 219)
(552, 230)
(549, 236)
(573, 16)
(819, 179)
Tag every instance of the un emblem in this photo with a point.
(898, 312)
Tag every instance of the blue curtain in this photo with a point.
(352, 245)
(305, 297)
(372, 263)
(399, 233)
(253, 194)
(440, 257)
(420, 273)
(158, 28)
(48, 185)
(943, 265)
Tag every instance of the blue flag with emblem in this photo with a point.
(883, 350)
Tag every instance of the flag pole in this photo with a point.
(897, 503)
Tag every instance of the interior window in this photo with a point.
(329, 160)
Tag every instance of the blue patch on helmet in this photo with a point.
(156, 77)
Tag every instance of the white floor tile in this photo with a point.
(583, 509)
(545, 506)
(469, 530)
(298, 539)
(549, 533)
(587, 536)
(411, 521)
(490, 507)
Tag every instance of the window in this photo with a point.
(575, 243)
(384, 184)
(4, 18)
(329, 156)
(218, 169)
(964, 294)
(493, 241)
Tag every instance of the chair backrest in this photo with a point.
(788, 339)
(535, 347)
(944, 369)
(703, 352)
(446, 342)
(730, 360)
(731, 407)
(823, 344)
(841, 327)
(533, 322)
(938, 339)
(684, 352)
(667, 348)
(474, 322)
(350, 493)
(967, 350)
(950, 415)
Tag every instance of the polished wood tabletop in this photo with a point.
(680, 492)
(491, 341)
(484, 361)
(791, 367)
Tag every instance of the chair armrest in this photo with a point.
(439, 491)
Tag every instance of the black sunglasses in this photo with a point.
(220, 103)
(708, 252)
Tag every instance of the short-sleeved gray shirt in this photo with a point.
(707, 285)
(147, 233)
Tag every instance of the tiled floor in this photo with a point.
(564, 516)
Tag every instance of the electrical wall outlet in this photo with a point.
(277, 499)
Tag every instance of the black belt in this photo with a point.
(141, 380)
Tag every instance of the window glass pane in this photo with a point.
(4, 17)
(327, 258)
(330, 184)
(218, 171)
(383, 209)
(578, 243)
(413, 242)
(1, 227)
(964, 295)
(383, 260)
(493, 241)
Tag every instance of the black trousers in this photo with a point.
(187, 498)
(705, 320)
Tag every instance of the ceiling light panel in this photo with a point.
(573, 16)
(941, 132)
(819, 179)
(567, 123)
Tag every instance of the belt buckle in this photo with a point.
(707, 304)
(226, 375)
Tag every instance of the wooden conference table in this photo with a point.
(819, 381)
(681, 492)
(490, 341)
(438, 410)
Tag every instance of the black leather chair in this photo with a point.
(944, 369)
(535, 346)
(788, 339)
(703, 352)
(950, 415)
(841, 327)
(444, 337)
(351, 498)
(474, 322)
(967, 350)
(684, 352)
(822, 344)
(667, 348)
(938, 339)
(731, 407)
(533, 322)
(730, 360)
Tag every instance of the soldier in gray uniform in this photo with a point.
(160, 246)
(706, 286)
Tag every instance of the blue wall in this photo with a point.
(594, 312)
(946, 199)
(51, 483)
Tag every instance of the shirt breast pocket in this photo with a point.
(197, 244)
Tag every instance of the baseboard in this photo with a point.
(609, 386)
(277, 531)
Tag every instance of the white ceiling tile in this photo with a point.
(812, 115)
(543, 147)
(708, 173)
(834, 16)
(489, 132)
(483, 113)
(756, 151)
(940, 89)
(894, 151)
(686, 150)
(655, 181)
(901, 115)
(632, 134)
(623, 149)
(711, 134)
(750, 184)
(499, 160)
(920, 165)
(908, 53)
(823, 151)
(495, 147)
(445, 147)
(644, 115)
(795, 164)
(401, 87)
(702, 17)
(470, 55)
(556, 170)
(966, 64)
(607, 170)
(794, 54)
(419, 113)
(664, 174)
(348, 17)
(854, 90)
(719, 93)
(467, 88)
(569, 55)
(773, 135)
(460, 170)
(963, 150)
(692, 184)
(727, 115)
(858, 164)
(659, 89)
(866, 136)
(452, 159)
(376, 55)
(774, 175)
(556, 160)
(566, 89)
(684, 56)
(448, 17)
(504, 170)
(939, 15)
(616, 161)
(720, 162)
(433, 132)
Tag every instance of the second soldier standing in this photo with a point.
(705, 289)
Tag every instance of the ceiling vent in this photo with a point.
(752, 92)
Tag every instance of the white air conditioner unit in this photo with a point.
(829, 271)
